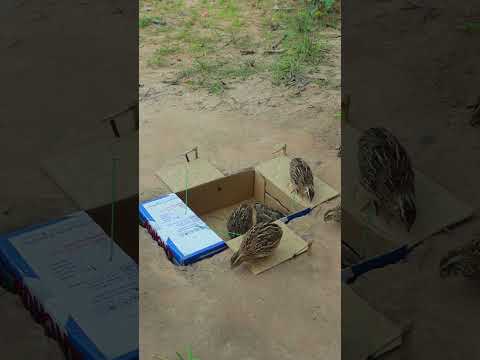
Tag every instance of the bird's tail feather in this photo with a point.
(235, 260)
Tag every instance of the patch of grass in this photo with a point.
(159, 56)
(146, 21)
(472, 26)
(213, 74)
(213, 31)
(229, 10)
(327, 11)
(303, 49)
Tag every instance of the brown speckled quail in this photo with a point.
(464, 261)
(302, 178)
(334, 214)
(259, 242)
(266, 214)
(386, 173)
(240, 220)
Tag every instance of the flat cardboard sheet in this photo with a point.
(436, 207)
(278, 185)
(366, 334)
(191, 174)
(290, 246)
(90, 191)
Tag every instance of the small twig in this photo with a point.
(273, 51)
(171, 82)
(277, 8)
(277, 44)
(247, 52)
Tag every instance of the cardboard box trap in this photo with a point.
(214, 199)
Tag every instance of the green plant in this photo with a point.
(472, 26)
(210, 74)
(190, 355)
(159, 56)
(145, 21)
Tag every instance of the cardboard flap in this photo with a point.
(93, 191)
(361, 340)
(290, 246)
(188, 174)
(436, 207)
(275, 178)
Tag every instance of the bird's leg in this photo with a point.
(376, 207)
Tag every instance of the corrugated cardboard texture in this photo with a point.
(191, 174)
(277, 184)
(436, 207)
(290, 246)
(365, 332)
(95, 190)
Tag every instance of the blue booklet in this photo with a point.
(179, 230)
(88, 288)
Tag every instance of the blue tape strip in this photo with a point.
(298, 214)
(392, 257)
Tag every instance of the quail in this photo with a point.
(464, 261)
(240, 220)
(266, 214)
(302, 178)
(334, 214)
(259, 242)
(386, 174)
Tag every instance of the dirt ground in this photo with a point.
(289, 312)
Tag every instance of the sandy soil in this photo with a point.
(290, 312)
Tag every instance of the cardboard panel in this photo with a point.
(277, 176)
(191, 174)
(275, 204)
(290, 246)
(220, 193)
(126, 231)
(259, 190)
(365, 241)
(360, 342)
(92, 191)
(436, 207)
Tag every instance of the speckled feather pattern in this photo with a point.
(464, 261)
(266, 214)
(301, 176)
(385, 168)
(334, 214)
(240, 220)
(259, 242)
